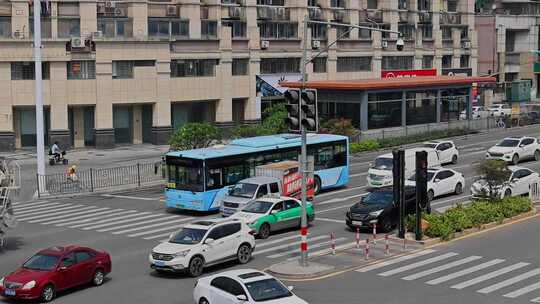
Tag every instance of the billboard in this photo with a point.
(408, 73)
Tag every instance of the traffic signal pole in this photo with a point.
(303, 155)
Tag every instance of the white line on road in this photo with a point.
(358, 174)
(441, 268)
(158, 236)
(24, 204)
(264, 244)
(68, 214)
(522, 291)
(332, 209)
(314, 246)
(53, 212)
(118, 220)
(464, 272)
(78, 219)
(35, 207)
(258, 252)
(340, 191)
(140, 223)
(329, 220)
(153, 225)
(340, 199)
(396, 260)
(418, 264)
(510, 281)
(68, 222)
(171, 228)
(132, 197)
(489, 276)
(40, 208)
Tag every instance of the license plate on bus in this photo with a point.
(9, 292)
(357, 223)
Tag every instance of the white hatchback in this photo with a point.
(515, 149)
(246, 286)
(441, 182)
(446, 150)
(201, 244)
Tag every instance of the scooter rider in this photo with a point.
(55, 150)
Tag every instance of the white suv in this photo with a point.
(447, 151)
(514, 149)
(201, 244)
(500, 109)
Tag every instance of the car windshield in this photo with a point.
(383, 163)
(41, 262)
(243, 190)
(188, 236)
(509, 143)
(269, 289)
(379, 198)
(429, 176)
(258, 207)
(432, 146)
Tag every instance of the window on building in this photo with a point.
(278, 30)
(465, 33)
(452, 6)
(312, 3)
(5, 27)
(271, 2)
(427, 62)
(122, 69)
(447, 61)
(407, 30)
(209, 28)
(115, 27)
(238, 110)
(238, 28)
(509, 77)
(280, 65)
(81, 70)
(385, 35)
(164, 27)
(68, 20)
(193, 67)
(427, 31)
(402, 4)
(446, 33)
(318, 31)
(240, 66)
(342, 32)
(424, 5)
(464, 61)
(46, 28)
(337, 3)
(353, 64)
(363, 33)
(510, 42)
(26, 70)
(372, 4)
(397, 62)
(144, 63)
(319, 65)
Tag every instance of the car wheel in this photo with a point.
(515, 159)
(430, 195)
(203, 301)
(317, 186)
(244, 253)
(537, 155)
(386, 225)
(454, 159)
(264, 231)
(458, 189)
(47, 294)
(508, 193)
(99, 277)
(196, 266)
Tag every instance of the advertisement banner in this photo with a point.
(408, 73)
(457, 72)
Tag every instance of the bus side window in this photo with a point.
(214, 179)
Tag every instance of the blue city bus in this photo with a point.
(198, 179)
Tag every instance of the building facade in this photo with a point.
(133, 71)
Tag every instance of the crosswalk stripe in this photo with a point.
(536, 300)
(441, 268)
(68, 222)
(522, 291)
(36, 207)
(53, 212)
(257, 252)
(312, 247)
(170, 228)
(464, 272)
(149, 226)
(69, 219)
(68, 214)
(159, 218)
(19, 204)
(488, 276)
(510, 281)
(418, 264)
(43, 208)
(396, 260)
(158, 236)
(264, 244)
(107, 222)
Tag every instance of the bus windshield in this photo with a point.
(186, 174)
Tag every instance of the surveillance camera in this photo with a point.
(400, 44)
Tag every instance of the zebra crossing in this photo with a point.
(513, 280)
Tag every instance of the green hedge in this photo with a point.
(472, 215)
(375, 144)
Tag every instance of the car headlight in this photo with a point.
(2, 282)
(182, 254)
(29, 285)
(376, 213)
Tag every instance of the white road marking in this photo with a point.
(107, 222)
(132, 197)
(340, 191)
(510, 281)
(35, 206)
(464, 272)
(259, 245)
(171, 228)
(536, 300)
(27, 203)
(317, 245)
(157, 236)
(332, 209)
(396, 260)
(81, 218)
(358, 174)
(53, 212)
(329, 220)
(441, 268)
(41, 208)
(418, 264)
(340, 199)
(67, 222)
(153, 218)
(489, 276)
(258, 252)
(67, 214)
(522, 291)
(152, 225)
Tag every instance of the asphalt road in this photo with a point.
(129, 224)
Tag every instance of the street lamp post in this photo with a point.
(40, 144)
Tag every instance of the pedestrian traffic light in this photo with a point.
(293, 109)
(310, 117)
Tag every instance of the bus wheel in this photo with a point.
(317, 186)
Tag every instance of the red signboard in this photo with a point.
(408, 73)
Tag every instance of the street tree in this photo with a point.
(495, 174)
(339, 126)
(194, 135)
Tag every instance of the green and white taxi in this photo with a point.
(268, 214)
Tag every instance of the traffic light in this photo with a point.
(293, 109)
(310, 119)
(421, 190)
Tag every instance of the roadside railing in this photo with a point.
(92, 180)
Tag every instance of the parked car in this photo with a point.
(529, 118)
(515, 149)
(500, 109)
(201, 244)
(447, 151)
(55, 269)
(519, 183)
(441, 182)
(379, 208)
(269, 214)
(247, 286)
(477, 113)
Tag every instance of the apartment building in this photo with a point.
(133, 71)
(507, 33)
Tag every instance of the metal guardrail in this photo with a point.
(92, 180)
(534, 192)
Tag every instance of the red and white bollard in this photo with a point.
(303, 244)
(386, 245)
(367, 249)
(333, 239)
(357, 238)
(374, 233)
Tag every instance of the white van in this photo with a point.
(380, 174)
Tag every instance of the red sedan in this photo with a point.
(55, 269)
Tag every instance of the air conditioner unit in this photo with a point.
(315, 44)
(384, 44)
(235, 12)
(77, 42)
(265, 44)
(466, 44)
(98, 34)
(172, 10)
(110, 4)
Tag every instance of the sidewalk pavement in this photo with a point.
(347, 257)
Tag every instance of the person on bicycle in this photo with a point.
(55, 150)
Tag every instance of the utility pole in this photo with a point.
(303, 156)
(40, 140)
